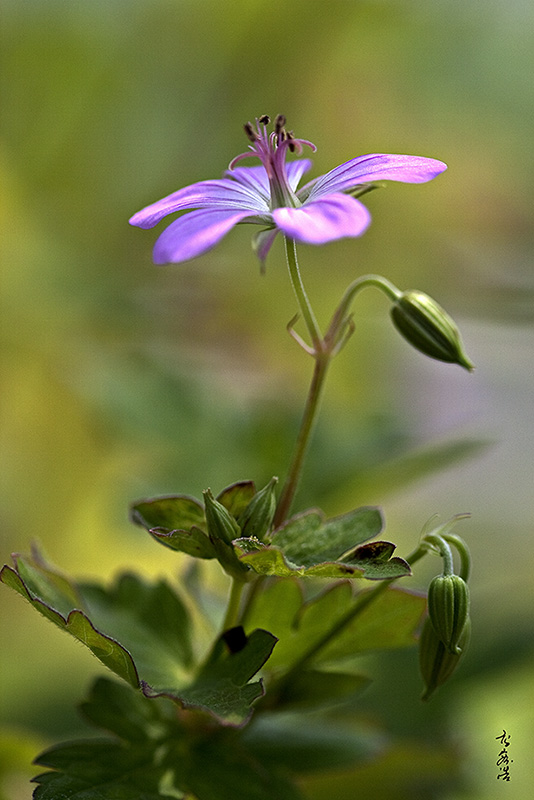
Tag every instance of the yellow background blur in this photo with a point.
(120, 380)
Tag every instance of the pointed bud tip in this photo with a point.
(428, 328)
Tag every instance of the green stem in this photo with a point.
(232, 611)
(463, 550)
(444, 550)
(302, 298)
(287, 494)
(389, 289)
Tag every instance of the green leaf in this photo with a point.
(235, 498)
(315, 689)
(176, 521)
(149, 620)
(172, 512)
(306, 743)
(223, 767)
(390, 621)
(309, 545)
(212, 764)
(98, 770)
(73, 620)
(193, 542)
(222, 687)
(118, 709)
(307, 539)
(141, 631)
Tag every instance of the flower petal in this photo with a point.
(295, 170)
(256, 178)
(377, 167)
(193, 234)
(323, 220)
(216, 194)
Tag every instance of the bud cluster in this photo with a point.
(224, 529)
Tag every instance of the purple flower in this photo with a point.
(267, 195)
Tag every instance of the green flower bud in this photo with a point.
(256, 520)
(222, 530)
(426, 326)
(448, 609)
(436, 663)
(221, 524)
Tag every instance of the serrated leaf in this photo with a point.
(193, 542)
(98, 769)
(141, 632)
(308, 539)
(272, 561)
(222, 687)
(106, 649)
(149, 620)
(309, 545)
(235, 498)
(176, 521)
(389, 622)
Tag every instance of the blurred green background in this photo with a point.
(120, 380)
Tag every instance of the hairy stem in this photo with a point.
(302, 298)
(309, 417)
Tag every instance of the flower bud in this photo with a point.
(448, 609)
(435, 662)
(256, 519)
(426, 326)
(221, 524)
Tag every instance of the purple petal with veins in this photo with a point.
(377, 167)
(267, 195)
(193, 234)
(223, 193)
(323, 220)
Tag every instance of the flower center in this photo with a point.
(271, 149)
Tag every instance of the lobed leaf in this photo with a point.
(308, 539)
(73, 620)
(389, 622)
(98, 770)
(308, 545)
(177, 521)
(222, 687)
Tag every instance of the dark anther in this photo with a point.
(249, 130)
(292, 146)
(265, 119)
(279, 123)
(235, 639)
